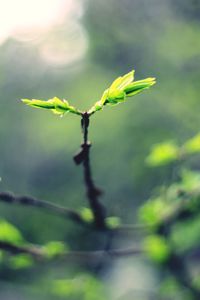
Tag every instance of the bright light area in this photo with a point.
(32, 15)
(52, 25)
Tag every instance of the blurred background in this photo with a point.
(74, 49)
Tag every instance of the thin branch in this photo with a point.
(53, 208)
(35, 252)
(38, 253)
(65, 212)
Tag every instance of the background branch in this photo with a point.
(53, 208)
(38, 252)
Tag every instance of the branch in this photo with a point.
(37, 252)
(56, 209)
(65, 212)
(14, 249)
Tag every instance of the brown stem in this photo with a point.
(93, 193)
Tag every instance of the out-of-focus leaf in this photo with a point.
(162, 154)
(55, 104)
(54, 248)
(170, 287)
(83, 286)
(192, 145)
(87, 214)
(185, 235)
(157, 248)
(113, 222)
(152, 212)
(21, 261)
(9, 233)
(190, 180)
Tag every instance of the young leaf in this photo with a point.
(55, 104)
(138, 86)
(121, 88)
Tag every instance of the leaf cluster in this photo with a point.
(120, 89)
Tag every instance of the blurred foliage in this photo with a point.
(21, 261)
(54, 248)
(9, 233)
(83, 286)
(167, 152)
(162, 154)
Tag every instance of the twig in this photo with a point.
(65, 212)
(30, 201)
(38, 252)
(15, 249)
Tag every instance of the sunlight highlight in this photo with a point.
(32, 15)
(52, 26)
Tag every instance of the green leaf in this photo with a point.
(9, 233)
(89, 288)
(153, 211)
(120, 88)
(192, 145)
(54, 248)
(157, 248)
(190, 229)
(122, 82)
(162, 154)
(138, 86)
(21, 261)
(113, 222)
(115, 96)
(190, 180)
(55, 104)
(87, 215)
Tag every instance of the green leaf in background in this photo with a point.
(162, 154)
(190, 229)
(87, 214)
(56, 105)
(157, 248)
(54, 248)
(9, 233)
(190, 180)
(153, 211)
(170, 287)
(83, 286)
(121, 88)
(192, 145)
(21, 261)
(113, 222)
